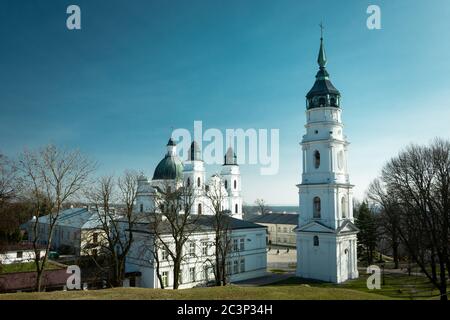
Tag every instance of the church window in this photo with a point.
(192, 274)
(344, 207)
(164, 254)
(316, 131)
(236, 208)
(198, 182)
(192, 249)
(235, 245)
(333, 102)
(205, 248)
(316, 207)
(316, 241)
(141, 208)
(188, 182)
(322, 101)
(235, 184)
(226, 184)
(165, 278)
(316, 159)
(199, 208)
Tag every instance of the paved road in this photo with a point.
(267, 279)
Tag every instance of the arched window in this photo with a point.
(236, 208)
(321, 101)
(226, 184)
(199, 182)
(141, 208)
(344, 207)
(188, 182)
(316, 207)
(235, 184)
(316, 159)
(316, 241)
(333, 102)
(199, 208)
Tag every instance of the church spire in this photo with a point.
(322, 58)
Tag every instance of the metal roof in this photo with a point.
(276, 218)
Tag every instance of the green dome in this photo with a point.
(169, 168)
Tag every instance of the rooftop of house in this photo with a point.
(81, 218)
(21, 246)
(275, 218)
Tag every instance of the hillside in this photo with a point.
(294, 292)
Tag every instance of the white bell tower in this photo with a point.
(194, 177)
(231, 176)
(326, 235)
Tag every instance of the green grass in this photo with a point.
(396, 286)
(298, 292)
(25, 267)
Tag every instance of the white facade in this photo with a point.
(247, 260)
(326, 235)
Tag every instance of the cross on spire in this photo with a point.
(321, 29)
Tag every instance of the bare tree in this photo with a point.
(116, 237)
(172, 225)
(52, 176)
(216, 194)
(7, 180)
(262, 207)
(416, 187)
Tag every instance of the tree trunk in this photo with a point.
(395, 254)
(443, 286)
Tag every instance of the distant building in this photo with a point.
(246, 260)
(18, 253)
(280, 228)
(77, 231)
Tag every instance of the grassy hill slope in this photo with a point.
(293, 292)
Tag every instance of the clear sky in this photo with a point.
(137, 68)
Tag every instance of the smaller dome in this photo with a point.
(230, 157)
(194, 152)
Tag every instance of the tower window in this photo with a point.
(344, 207)
(235, 184)
(236, 207)
(141, 208)
(322, 101)
(317, 208)
(333, 102)
(316, 159)
(188, 182)
(226, 184)
(316, 241)
(199, 208)
(198, 182)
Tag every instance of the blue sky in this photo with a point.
(137, 68)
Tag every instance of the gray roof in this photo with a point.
(201, 223)
(276, 218)
(81, 218)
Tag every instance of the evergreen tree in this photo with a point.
(368, 235)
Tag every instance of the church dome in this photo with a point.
(170, 167)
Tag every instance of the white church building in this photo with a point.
(326, 234)
(248, 255)
(173, 172)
